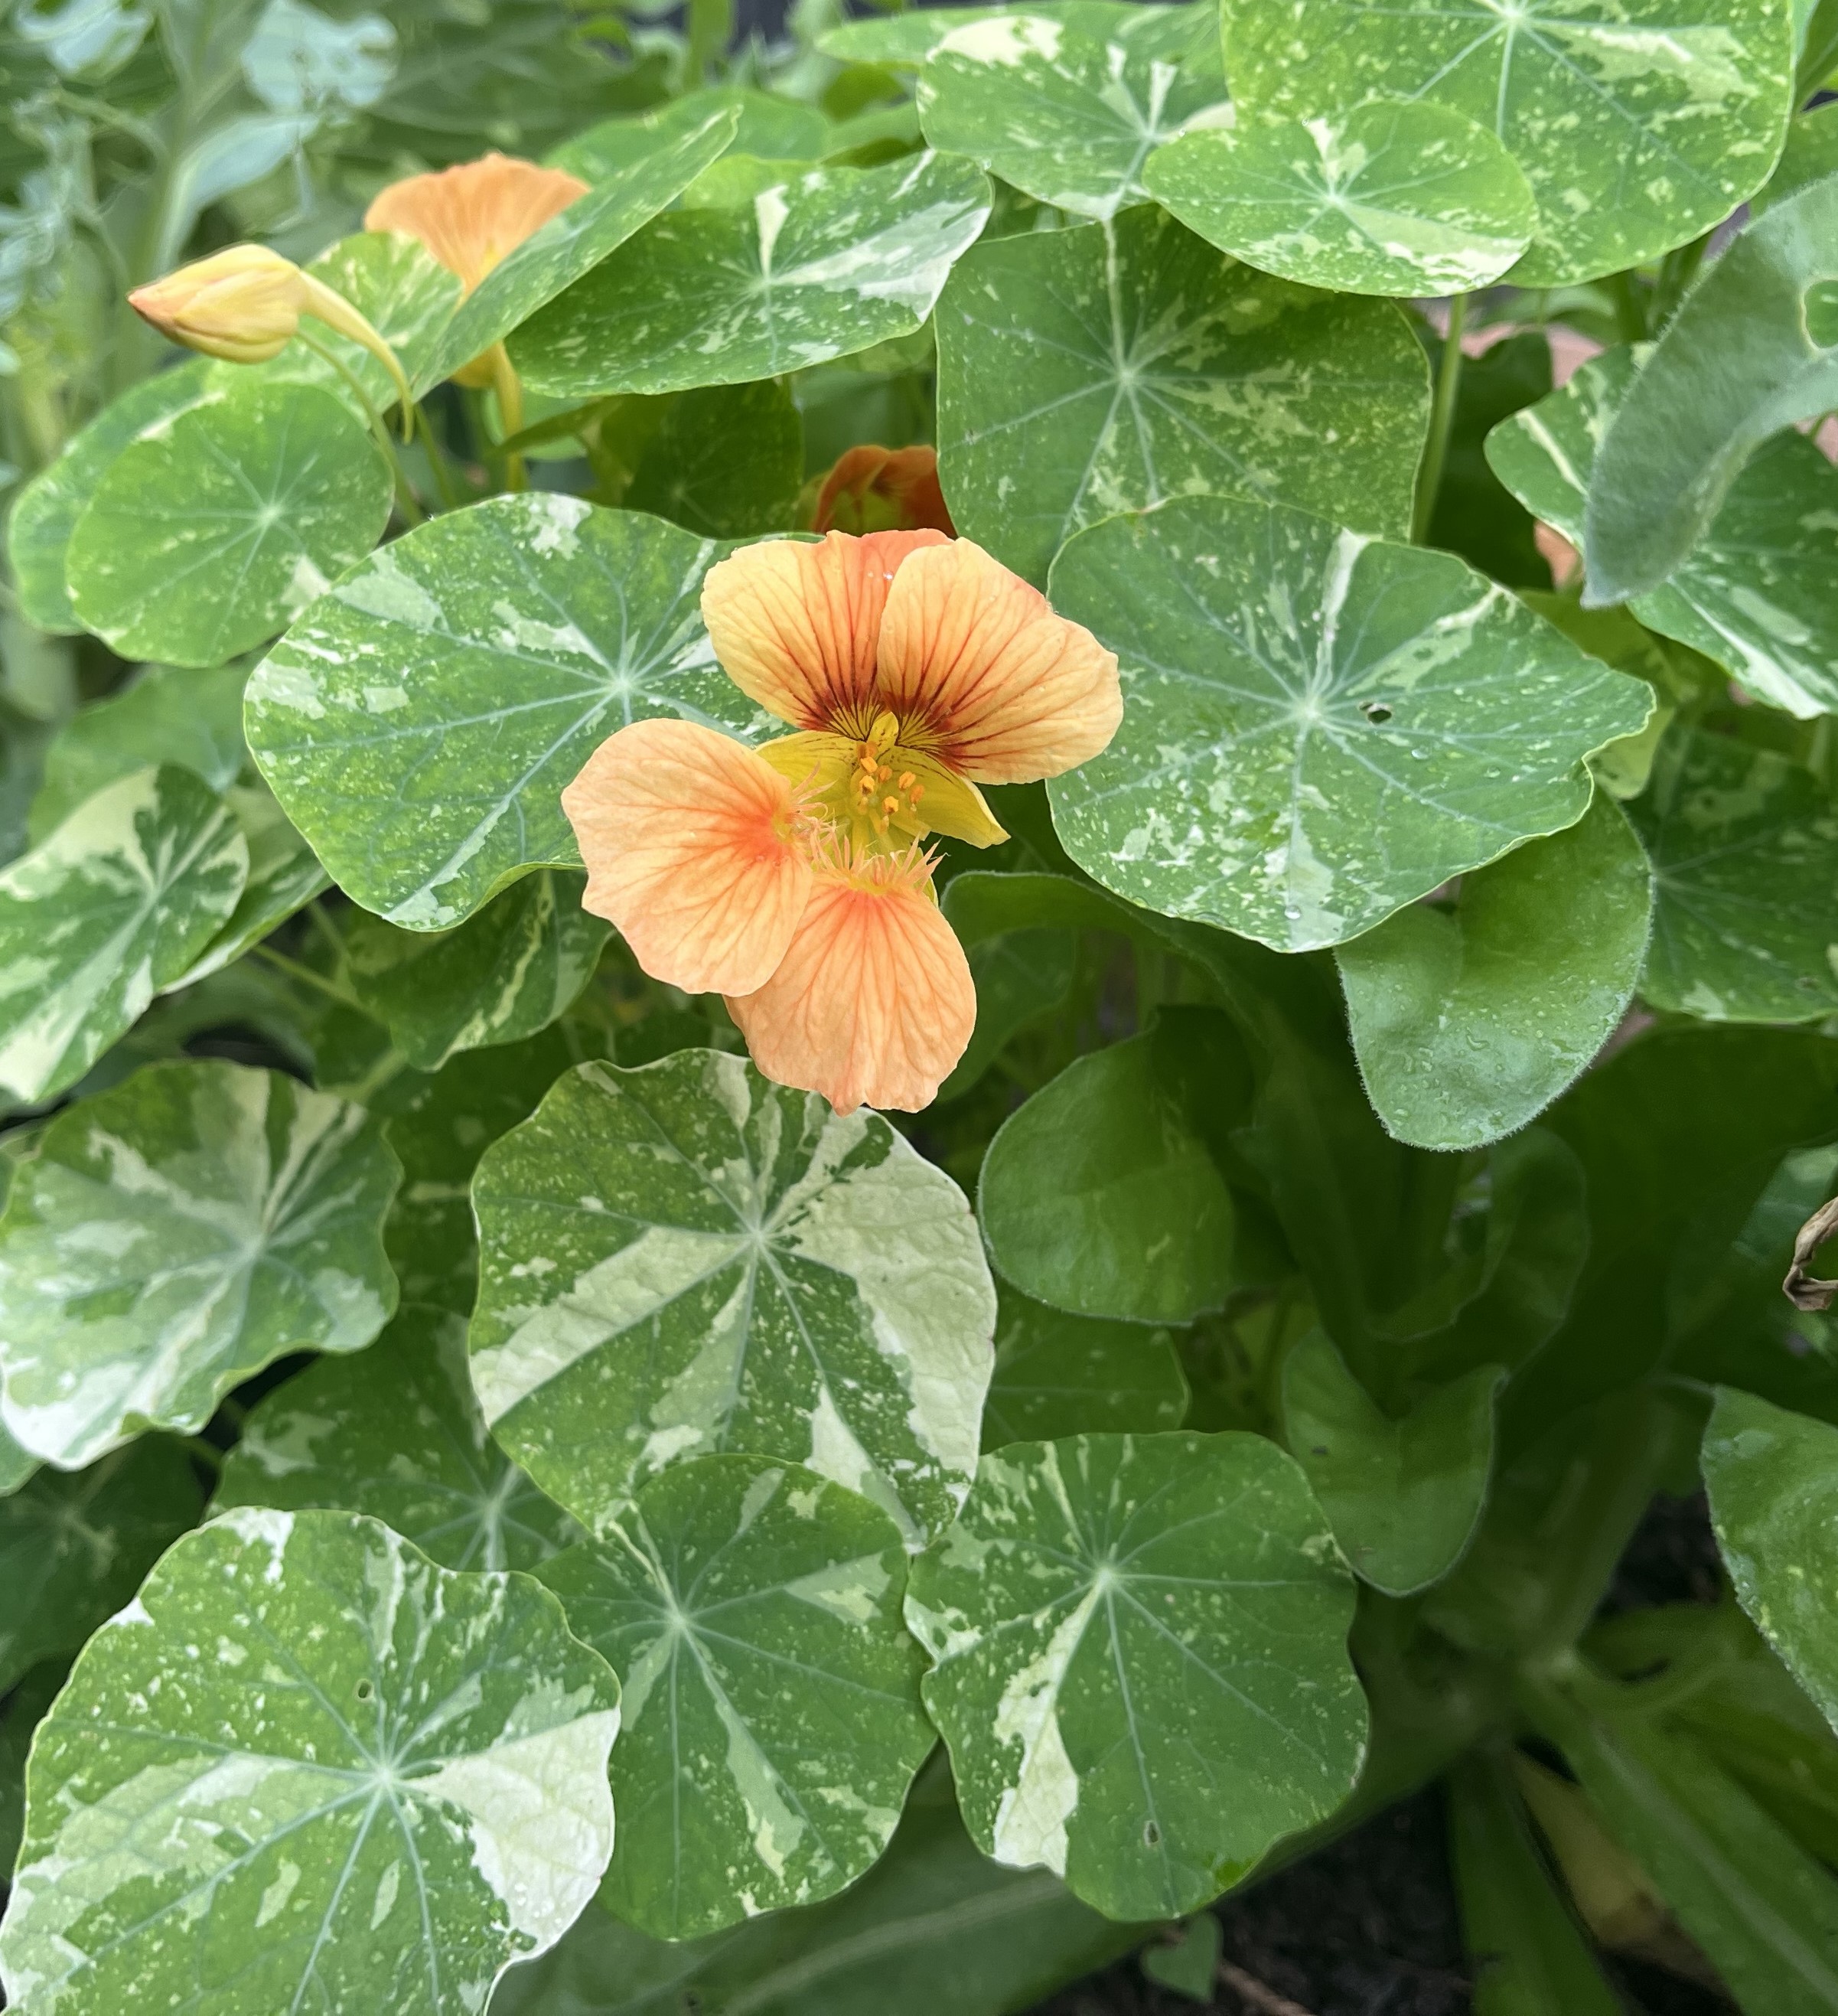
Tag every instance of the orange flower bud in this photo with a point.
(883, 490)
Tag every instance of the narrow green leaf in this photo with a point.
(1140, 1663)
(359, 1756)
(1319, 726)
(686, 1259)
(177, 1234)
(1468, 1021)
(115, 905)
(772, 1717)
(1106, 368)
(1057, 1374)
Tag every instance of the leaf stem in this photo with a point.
(1442, 414)
(305, 976)
(437, 460)
(206, 1453)
(406, 497)
(1629, 311)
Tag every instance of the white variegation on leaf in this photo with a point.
(115, 904)
(686, 1259)
(306, 1768)
(173, 1235)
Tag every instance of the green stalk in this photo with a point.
(1630, 310)
(406, 500)
(304, 976)
(1442, 414)
(437, 460)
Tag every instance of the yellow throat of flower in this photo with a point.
(880, 792)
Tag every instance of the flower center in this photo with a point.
(877, 792)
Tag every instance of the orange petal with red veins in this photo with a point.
(693, 851)
(874, 1003)
(796, 626)
(1006, 691)
(469, 217)
(883, 489)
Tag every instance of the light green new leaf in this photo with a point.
(1391, 197)
(1141, 1666)
(1103, 368)
(1318, 727)
(1069, 112)
(772, 1717)
(592, 228)
(1639, 123)
(1099, 1196)
(1403, 1496)
(395, 1431)
(1057, 1374)
(1751, 594)
(419, 722)
(73, 1547)
(819, 266)
(508, 970)
(46, 510)
(685, 1258)
(1749, 353)
(173, 1235)
(284, 876)
(205, 536)
(114, 907)
(307, 1767)
(771, 129)
(1744, 846)
(1773, 1480)
(1468, 1021)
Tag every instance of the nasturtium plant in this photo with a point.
(919, 999)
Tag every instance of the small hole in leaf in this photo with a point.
(364, 1690)
(1152, 1835)
(1375, 711)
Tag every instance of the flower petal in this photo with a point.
(693, 850)
(795, 625)
(1004, 690)
(883, 489)
(874, 1003)
(470, 216)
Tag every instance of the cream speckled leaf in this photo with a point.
(508, 970)
(306, 1769)
(205, 537)
(904, 40)
(771, 129)
(1141, 1667)
(1318, 727)
(284, 876)
(418, 722)
(1104, 368)
(1637, 123)
(1069, 112)
(395, 1430)
(772, 1721)
(819, 266)
(1753, 594)
(1744, 845)
(173, 1235)
(686, 1259)
(114, 907)
(1390, 198)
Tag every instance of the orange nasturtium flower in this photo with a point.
(882, 490)
(792, 879)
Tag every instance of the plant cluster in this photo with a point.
(918, 948)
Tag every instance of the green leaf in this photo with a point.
(1057, 1374)
(205, 536)
(419, 721)
(1318, 727)
(1142, 1669)
(933, 1926)
(1390, 196)
(1774, 1489)
(771, 129)
(1810, 155)
(772, 1719)
(727, 461)
(1190, 1965)
(904, 40)
(1403, 1496)
(359, 1761)
(45, 512)
(74, 1546)
(586, 233)
(1742, 842)
(177, 1234)
(1749, 595)
(1069, 111)
(284, 876)
(1108, 367)
(1099, 1195)
(114, 907)
(508, 970)
(1638, 125)
(1469, 1020)
(1474, 514)
(1020, 976)
(1738, 362)
(395, 1431)
(819, 266)
(686, 1259)
(169, 714)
